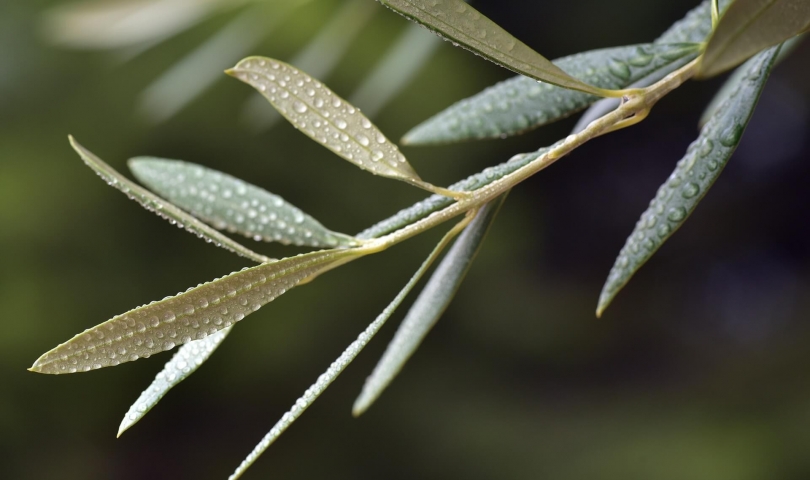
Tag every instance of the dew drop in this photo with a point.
(690, 190)
(299, 107)
(676, 214)
(731, 135)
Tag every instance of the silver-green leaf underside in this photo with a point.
(232, 204)
(186, 361)
(519, 104)
(192, 315)
(749, 26)
(434, 203)
(343, 361)
(429, 306)
(323, 116)
(162, 207)
(458, 22)
(695, 173)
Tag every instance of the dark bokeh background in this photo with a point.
(700, 369)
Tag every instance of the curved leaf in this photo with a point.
(749, 26)
(521, 103)
(429, 306)
(462, 24)
(186, 361)
(695, 174)
(323, 116)
(160, 206)
(229, 203)
(340, 364)
(191, 315)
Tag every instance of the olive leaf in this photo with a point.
(345, 358)
(695, 173)
(749, 26)
(326, 118)
(186, 361)
(161, 207)
(465, 26)
(434, 203)
(521, 103)
(430, 305)
(229, 203)
(188, 316)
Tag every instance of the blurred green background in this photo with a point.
(700, 369)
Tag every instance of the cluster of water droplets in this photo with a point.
(315, 110)
(191, 315)
(232, 204)
(694, 174)
(188, 358)
(521, 103)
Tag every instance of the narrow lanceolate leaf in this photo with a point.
(161, 207)
(188, 316)
(186, 361)
(462, 24)
(521, 103)
(229, 203)
(343, 361)
(434, 203)
(432, 302)
(323, 116)
(694, 175)
(749, 26)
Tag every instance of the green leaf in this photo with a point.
(186, 361)
(326, 118)
(429, 306)
(343, 361)
(161, 207)
(694, 27)
(521, 103)
(229, 203)
(695, 173)
(188, 316)
(749, 26)
(728, 87)
(434, 203)
(460, 23)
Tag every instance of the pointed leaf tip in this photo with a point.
(186, 361)
(191, 315)
(695, 173)
(429, 306)
(161, 207)
(326, 118)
